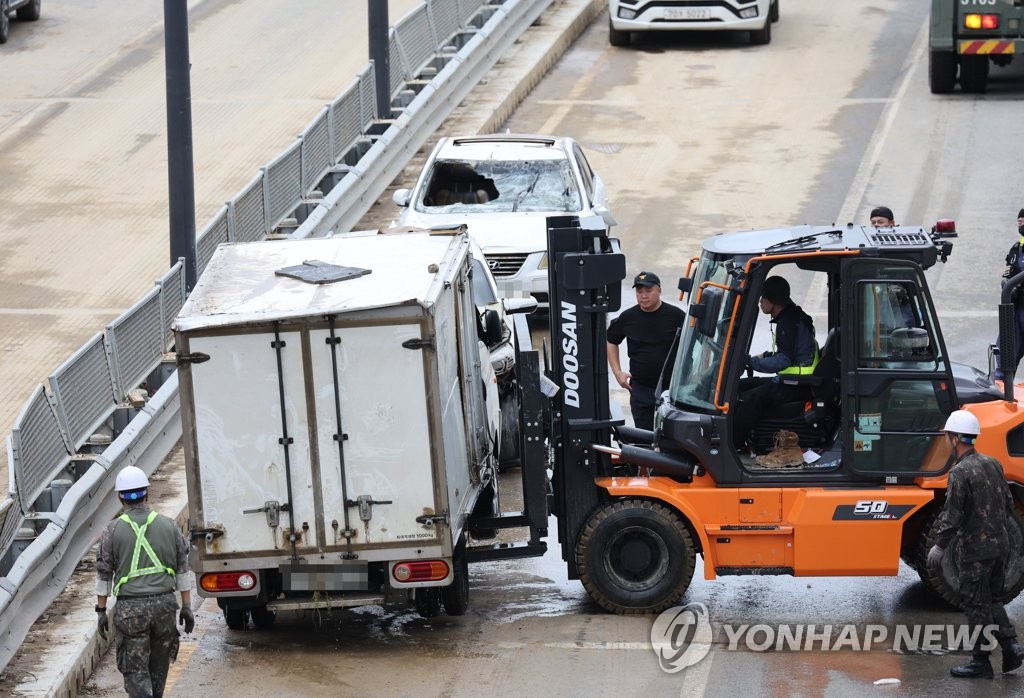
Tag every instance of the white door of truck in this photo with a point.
(372, 425)
(254, 466)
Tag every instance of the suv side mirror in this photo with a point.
(514, 306)
(401, 197)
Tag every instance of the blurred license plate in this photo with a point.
(687, 13)
(346, 576)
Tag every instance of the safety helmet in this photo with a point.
(962, 422)
(131, 483)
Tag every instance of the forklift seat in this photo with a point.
(813, 421)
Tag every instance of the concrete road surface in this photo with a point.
(695, 135)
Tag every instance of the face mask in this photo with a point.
(1020, 230)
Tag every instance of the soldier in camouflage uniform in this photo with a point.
(978, 509)
(143, 560)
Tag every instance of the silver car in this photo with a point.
(503, 187)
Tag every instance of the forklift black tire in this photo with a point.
(455, 596)
(262, 617)
(635, 556)
(944, 582)
(236, 618)
(428, 601)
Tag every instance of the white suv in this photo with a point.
(755, 16)
(503, 187)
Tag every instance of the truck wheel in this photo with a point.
(30, 12)
(455, 596)
(974, 73)
(941, 72)
(945, 583)
(635, 556)
(773, 13)
(262, 617)
(616, 37)
(508, 438)
(236, 618)
(763, 36)
(428, 601)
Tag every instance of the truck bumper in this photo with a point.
(994, 47)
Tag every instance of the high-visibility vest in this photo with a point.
(142, 544)
(800, 370)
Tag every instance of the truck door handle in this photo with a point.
(365, 503)
(273, 510)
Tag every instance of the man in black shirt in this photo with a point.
(649, 329)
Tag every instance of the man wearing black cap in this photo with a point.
(794, 353)
(1014, 266)
(649, 329)
(881, 217)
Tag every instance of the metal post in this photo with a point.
(180, 181)
(378, 16)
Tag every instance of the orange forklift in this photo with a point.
(635, 508)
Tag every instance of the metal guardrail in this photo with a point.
(61, 477)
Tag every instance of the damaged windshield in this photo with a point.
(501, 186)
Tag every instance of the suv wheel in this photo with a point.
(30, 12)
(5, 22)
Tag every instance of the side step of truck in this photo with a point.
(506, 551)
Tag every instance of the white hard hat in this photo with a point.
(131, 478)
(962, 422)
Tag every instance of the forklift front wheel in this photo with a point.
(635, 556)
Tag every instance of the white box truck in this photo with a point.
(340, 419)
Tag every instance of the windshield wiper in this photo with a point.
(523, 194)
(802, 240)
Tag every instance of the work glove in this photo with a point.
(935, 554)
(102, 623)
(186, 618)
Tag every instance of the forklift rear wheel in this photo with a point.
(945, 582)
(262, 617)
(456, 595)
(635, 556)
(236, 618)
(428, 601)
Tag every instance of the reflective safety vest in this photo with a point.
(801, 370)
(142, 544)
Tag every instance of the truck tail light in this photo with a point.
(420, 571)
(228, 581)
(979, 21)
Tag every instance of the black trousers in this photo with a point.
(642, 402)
(759, 396)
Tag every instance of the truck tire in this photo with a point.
(508, 438)
(974, 74)
(262, 617)
(635, 556)
(762, 36)
(773, 13)
(455, 596)
(428, 601)
(945, 583)
(616, 37)
(30, 12)
(236, 618)
(941, 72)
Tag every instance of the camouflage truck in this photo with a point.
(967, 36)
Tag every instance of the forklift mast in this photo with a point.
(586, 269)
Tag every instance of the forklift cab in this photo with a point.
(877, 399)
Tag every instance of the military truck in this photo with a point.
(967, 37)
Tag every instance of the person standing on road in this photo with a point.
(881, 217)
(1014, 266)
(649, 329)
(977, 511)
(142, 560)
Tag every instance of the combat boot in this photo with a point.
(977, 668)
(1013, 655)
(785, 454)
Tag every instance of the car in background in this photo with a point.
(754, 16)
(503, 187)
(27, 11)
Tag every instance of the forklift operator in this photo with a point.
(794, 353)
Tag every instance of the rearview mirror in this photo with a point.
(401, 197)
(515, 306)
(706, 312)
